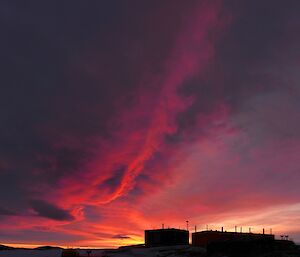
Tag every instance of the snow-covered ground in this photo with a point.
(174, 251)
(170, 251)
(44, 253)
(30, 253)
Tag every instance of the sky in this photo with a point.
(120, 116)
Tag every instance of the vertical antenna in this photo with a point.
(163, 226)
(263, 231)
(195, 229)
(207, 227)
(187, 225)
(222, 229)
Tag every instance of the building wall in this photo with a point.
(165, 237)
(203, 238)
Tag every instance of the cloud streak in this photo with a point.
(50, 211)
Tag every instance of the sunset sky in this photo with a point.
(120, 115)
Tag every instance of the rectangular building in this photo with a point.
(203, 238)
(166, 237)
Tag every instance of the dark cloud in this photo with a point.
(121, 237)
(114, 182)
(67, 71)
(47, 210)
(243, 66)
(6, 212)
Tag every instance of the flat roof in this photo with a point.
(167, 229)
(230, 232)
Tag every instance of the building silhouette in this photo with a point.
(203, 238)
(166, 237)
(221, 242)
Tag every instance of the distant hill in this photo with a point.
(47, 247)
(4, 247)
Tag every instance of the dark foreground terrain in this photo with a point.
(221, 250)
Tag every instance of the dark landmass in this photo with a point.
(222, 249)
(218, 249)
(132, 246)
(47, 247)
(253, 248)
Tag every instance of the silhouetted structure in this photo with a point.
(243, 247)
(252, 247)
(203, 238)
(69, 253)
(166, 237)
